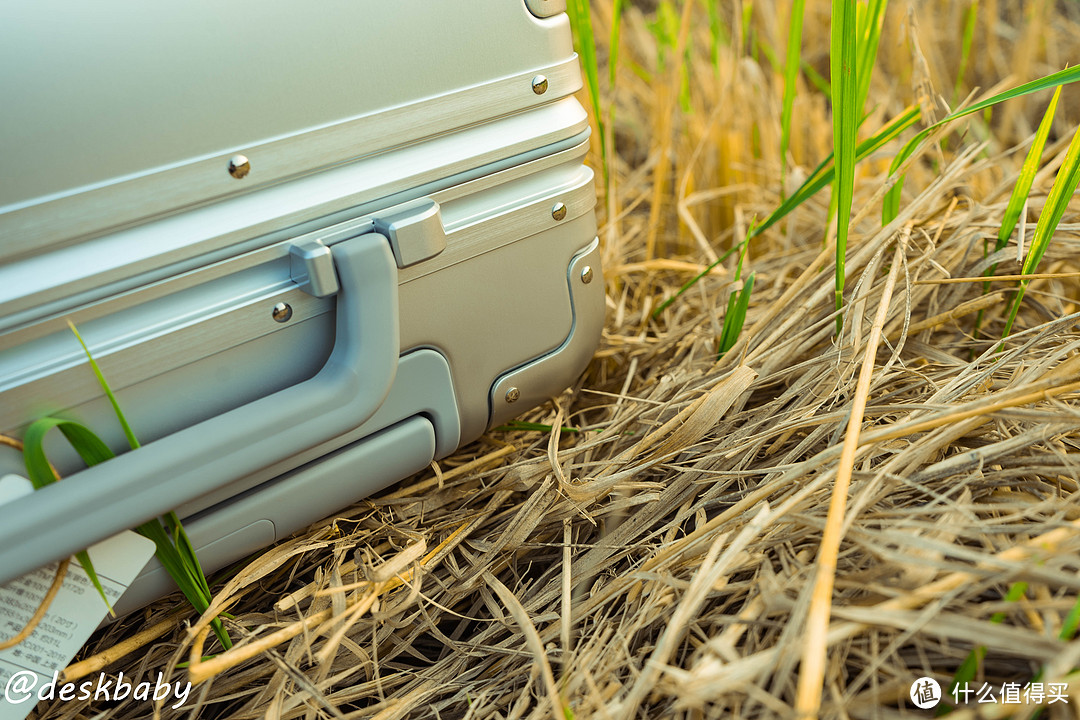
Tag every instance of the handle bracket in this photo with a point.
(312, 268)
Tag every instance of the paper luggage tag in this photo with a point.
(29, 670)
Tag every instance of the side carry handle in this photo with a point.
(122, 493)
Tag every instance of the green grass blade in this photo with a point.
(729, 319)
(90, 448)
(971, 17)
(128, 432)
(1016, 591)
(1072, 621)
(735, 317)
(892, 199)
(738, 301)
(824, 173)
(823, 86)
(1027, 177)
(581, 25)
(177, 556)
(1062, 77)
(1068, 630)
(963, 675)
(791, 74)
(693, 281)
(743, 246)
(88, 567)
(180, 570)
(843, 60)
(187, 553)
(1060, 194)
(613, 41)
(173, 562)
(684, 87)
(665, 30)
(1057, 201)
(770, 56)
(717, 33)
(1019, 195)
(890, 204)
(868, 40)
(747, 20)
(38, 469)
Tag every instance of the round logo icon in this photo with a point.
(925, 692)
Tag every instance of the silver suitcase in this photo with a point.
(312, 250)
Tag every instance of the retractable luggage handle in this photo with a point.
(98, 502)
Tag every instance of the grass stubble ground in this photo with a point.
(655, 555)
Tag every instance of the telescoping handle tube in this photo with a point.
(98, 502)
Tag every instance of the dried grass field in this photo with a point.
(800, 527)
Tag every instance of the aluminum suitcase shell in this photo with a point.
(425, 244)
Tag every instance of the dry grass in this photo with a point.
(661, 563)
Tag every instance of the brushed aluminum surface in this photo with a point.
(117, 111)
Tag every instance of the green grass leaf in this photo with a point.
(870, 23)
(738, 302)
(1020, 193)
(585, 41)
(892, 198)
(791, 76)
(971, 17)
(1060, 194)
(88, 445)
(1027, 177)
(183, 567)
(1072, 621)
(747, 20)
(613, 41)
(717, 33)
(176, 553)
(823, 86)
(128, 432)
(843, 62)
(40, 473)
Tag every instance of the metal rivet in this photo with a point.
(558, 211)
(539, 84)
(586, 274)
(513, 395)
(239, 166)
(282, 312)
